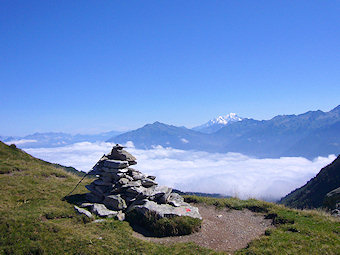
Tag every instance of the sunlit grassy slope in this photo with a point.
(35, 220)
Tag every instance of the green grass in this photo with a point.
(34, 219)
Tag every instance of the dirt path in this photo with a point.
(222, 229)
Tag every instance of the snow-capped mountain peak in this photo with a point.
(224, 120)
(217, 123)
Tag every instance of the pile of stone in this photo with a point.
(121, 189)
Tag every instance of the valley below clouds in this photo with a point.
(231, 174)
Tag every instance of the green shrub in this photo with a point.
(13, 146)
(174, 226)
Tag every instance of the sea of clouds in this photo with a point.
(231, 174)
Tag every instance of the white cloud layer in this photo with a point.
(231, 174)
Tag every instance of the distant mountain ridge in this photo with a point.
(311, 134)
(219, 122)
(56, 139)
(165, 135)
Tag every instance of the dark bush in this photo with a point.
(190, 200)
(258, 209)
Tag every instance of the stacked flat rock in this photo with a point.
(122, 189)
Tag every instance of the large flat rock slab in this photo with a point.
(165, 210)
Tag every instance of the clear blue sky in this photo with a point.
(87, 66)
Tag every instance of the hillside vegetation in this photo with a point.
(312, 194)
(34, 219)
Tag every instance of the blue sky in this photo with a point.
(90, 66)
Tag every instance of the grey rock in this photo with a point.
(160, 194)
(102, 182)
(119, 154)
(109, 170)
(130, 178)
(121, 175)
(156, 193)
(148, 183)
(115, 163)
(135, 191)
(116, 189)
(114, 170)
(98, 190)
(123, 181)
(115, 202)
(107, 179)
(118, 147)
(98, 221)
(137, 177)
(86, 205)
(165, 210)
(151, 177)
(176, 200)
(123, 170)
(83, 211)
(112, 176)
(132, 184)
(135, 203)
(95, 171)
(129, 198)
(104, 157)
(102, 211)
(336, 212)
(120, 216)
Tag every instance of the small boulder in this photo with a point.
(148, 182)
(160, 194)
(120, 154)
(176, 200)
(123, 181)
(83, 211)
(120, 216)
(115, 202)
(102, 211)
(115, 164)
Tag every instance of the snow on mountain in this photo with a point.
(215, 124)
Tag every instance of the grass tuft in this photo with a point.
(174, 226)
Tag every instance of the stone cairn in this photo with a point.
(121, 189)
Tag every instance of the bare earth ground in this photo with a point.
(222, 229)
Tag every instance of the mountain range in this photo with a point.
(215, 124)
(311, 134)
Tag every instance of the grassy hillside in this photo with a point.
(312, 194)
(35, 220)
